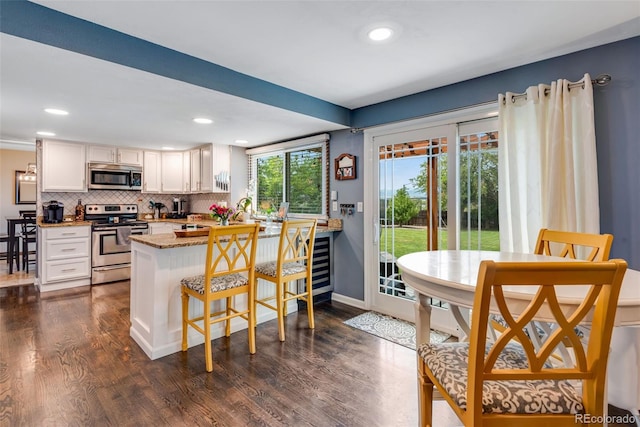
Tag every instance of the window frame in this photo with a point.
(281, 149)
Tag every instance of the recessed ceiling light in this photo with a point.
(380, 34)
(241, 141)
(202, 120)
(45, 133)
(56, 111)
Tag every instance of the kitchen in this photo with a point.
(112, 194)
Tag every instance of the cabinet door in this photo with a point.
(172, 178)
(221, 166)
(187, 184)
(206, 170)
(151, 172)
(101, 154)
(63, 166)
(194, 166)
(130, 156)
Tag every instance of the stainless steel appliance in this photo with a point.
(110, 247)
(52, 212)
(104, 176)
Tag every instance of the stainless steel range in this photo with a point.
(110, 246)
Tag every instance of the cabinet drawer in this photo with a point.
(67, 269)
(67, 232)
(67, 248)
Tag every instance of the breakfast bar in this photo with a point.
(158, 263)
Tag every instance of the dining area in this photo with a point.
(558, 327)
(21, 242)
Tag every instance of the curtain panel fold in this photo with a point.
(547, 163)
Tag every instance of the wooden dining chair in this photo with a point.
(511, 383)
(294, 262)
(566, 244)
(228, 272)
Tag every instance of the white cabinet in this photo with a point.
(194, 170)
(172, 172)
(221, 161)
(101, 154)
(129, 156)
(178, 172)
(206, 169)
(200, 168)
(64, 257)
(152, 172)
(110, 154)
(63, 166)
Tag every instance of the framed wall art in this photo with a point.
(345, 165)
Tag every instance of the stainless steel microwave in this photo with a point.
(104, 176)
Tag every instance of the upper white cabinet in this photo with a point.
(206, 169)
(63, 166)
(110, 154)
(172, 172)
(152, 172)
(221, 156)
(200, 167)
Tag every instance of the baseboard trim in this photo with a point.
(348, 300)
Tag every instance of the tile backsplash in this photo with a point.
(199, 203)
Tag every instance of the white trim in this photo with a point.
(483, 111)
(296, 143)
(348, 300)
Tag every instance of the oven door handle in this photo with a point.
(113, 267)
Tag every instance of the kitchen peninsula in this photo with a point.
(160, 261)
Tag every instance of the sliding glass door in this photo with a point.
(433, 188)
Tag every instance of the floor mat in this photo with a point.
(392, 329)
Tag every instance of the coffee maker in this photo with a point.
(52, 212)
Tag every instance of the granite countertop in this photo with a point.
(71, 223)
(169, 240)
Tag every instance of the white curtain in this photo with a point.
(547, 163)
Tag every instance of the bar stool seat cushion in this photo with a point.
(289, 268)
(449, 362)
(220, 283)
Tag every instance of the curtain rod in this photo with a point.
(600, 80)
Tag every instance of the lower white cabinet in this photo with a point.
(64, 256)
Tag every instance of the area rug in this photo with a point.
(391, 329)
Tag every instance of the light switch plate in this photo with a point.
(360, 207)
(334, 206)
(334, 195)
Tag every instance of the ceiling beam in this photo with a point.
(44, 25)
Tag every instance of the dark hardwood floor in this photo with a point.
(66, 359)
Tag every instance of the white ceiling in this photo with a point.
(314, 47)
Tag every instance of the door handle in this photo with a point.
(376, 231)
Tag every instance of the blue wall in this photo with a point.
(617, 118)
(349, 243)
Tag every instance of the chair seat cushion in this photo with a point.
(218, 284)
(269, 268)
(448, 363)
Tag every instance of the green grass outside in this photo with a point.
(409, 240)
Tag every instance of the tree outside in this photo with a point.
(402, 208)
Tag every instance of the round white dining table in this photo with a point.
(451, 276)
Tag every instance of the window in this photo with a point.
(294, 172)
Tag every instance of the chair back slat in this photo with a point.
(297, 239)
(568, 244)
(495, 279)
(231, 249)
